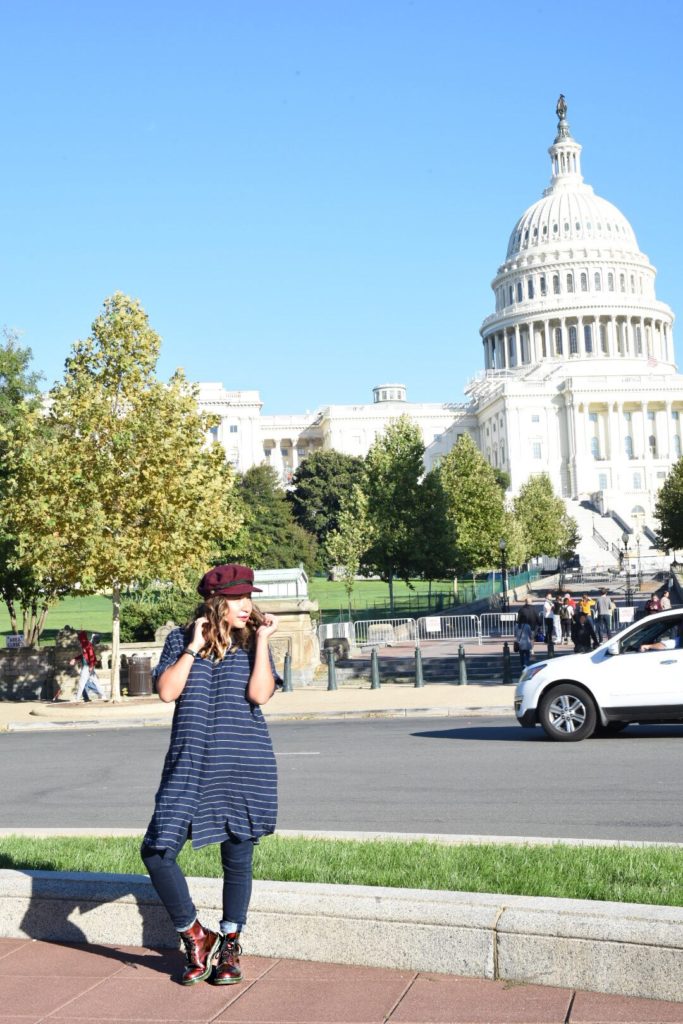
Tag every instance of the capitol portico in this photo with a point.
(579, 377)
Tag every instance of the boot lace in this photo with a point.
(230, 949)
(191, 950)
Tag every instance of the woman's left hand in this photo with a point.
(267, 627)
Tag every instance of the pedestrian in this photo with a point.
(87, 679)
(653, 605)
(604, 607)
(665, 601)
(566, 616)
(548, 617)
(583, 634)
(524, 643)
(557, 619)
(527, 613)
(219, 782)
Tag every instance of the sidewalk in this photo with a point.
(65, 984)
(306, 702)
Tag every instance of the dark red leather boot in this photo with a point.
(200, 949)
(228, 970)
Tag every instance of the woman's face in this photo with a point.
(238, 612)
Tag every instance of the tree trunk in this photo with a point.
(12, 612)
(115, 637)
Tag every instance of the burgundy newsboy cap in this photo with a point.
(228, 580)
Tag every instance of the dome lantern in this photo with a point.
(565, 153)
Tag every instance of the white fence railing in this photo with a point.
(384, 632)
(449, 627)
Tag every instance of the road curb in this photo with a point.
(616, 948)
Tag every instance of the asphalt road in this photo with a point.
(482, 776)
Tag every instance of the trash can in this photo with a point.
(139, 676)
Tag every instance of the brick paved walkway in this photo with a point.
(63, 984)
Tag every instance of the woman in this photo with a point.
(525, 644)
(219, 782)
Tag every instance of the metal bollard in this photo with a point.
(331, 670)
(462, 666)
(551, 646)
(507, 668)
(287, 674)
(419, 677)
(374, 670)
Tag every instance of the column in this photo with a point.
(616, 449)
(667, 434)
(645, 430)
(518, 351)
(602, 433)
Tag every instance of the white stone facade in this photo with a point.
(579, 378)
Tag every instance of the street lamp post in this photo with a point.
(629, 593)
(503, 572)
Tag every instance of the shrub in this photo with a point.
(142, 613)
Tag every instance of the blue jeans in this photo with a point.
(524, 659)
(171, 885)
(602, 627)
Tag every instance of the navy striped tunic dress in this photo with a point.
(219, 779)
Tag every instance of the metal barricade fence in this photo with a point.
(384, 632)
(449, 627)
(498, 624)
(335, 631)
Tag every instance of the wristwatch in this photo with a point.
(188, 650)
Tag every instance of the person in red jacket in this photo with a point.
(88, 676)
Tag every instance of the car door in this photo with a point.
(644, 683)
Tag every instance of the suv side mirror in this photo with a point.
(613, 649)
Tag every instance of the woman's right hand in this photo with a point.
(198, 640)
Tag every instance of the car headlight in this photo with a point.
(531, 670)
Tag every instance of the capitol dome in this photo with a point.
(574, 284)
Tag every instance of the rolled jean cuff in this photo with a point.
(230, 927)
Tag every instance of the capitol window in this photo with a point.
(530, 287)
(610, 281)
(233, 428)
(584, 282)
(677, 446)
(536, 449)
(633, 283)
(543, 285)
(213, 433)
(588, 338)
(593, 417)
(570, 282)
(637, 482)
(675, 414)
(603, 337)
(573, 343)
(622, 282)
(597, 280)
(556, 284)
(652, 445)
(639, 341)
(520, 293)
(511, 295)
(627, 417)
(650, 414)
(628, 446)
(558, 341)
(595, 448)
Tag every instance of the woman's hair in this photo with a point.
(218, 639)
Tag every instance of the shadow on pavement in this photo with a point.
(506, 733)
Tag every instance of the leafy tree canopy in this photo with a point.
(320, 484)
(542, 515)
(269, 537)
(475, 506)
(124, 488)
(669, 509)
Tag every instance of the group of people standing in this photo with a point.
(564, 619)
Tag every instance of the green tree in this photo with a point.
(269, 538)
(542, 515)
(124, 490)
(475, 506)
(320, 485)
(669, 509)
(346, 545)
(393, 468)
(435, 549)
(502, 479)
(21, 590)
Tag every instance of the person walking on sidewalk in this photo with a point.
(87, 679)
(219, 782)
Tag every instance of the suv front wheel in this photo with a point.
(567, 713)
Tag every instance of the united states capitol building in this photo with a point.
(579, 377)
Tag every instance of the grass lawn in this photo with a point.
(91, 613)
(623, 874)
(332, 597)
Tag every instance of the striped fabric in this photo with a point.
(219, 778)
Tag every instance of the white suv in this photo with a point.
(637, 676)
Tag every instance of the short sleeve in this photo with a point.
(173, 648)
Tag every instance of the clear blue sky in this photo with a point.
(311, 197)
